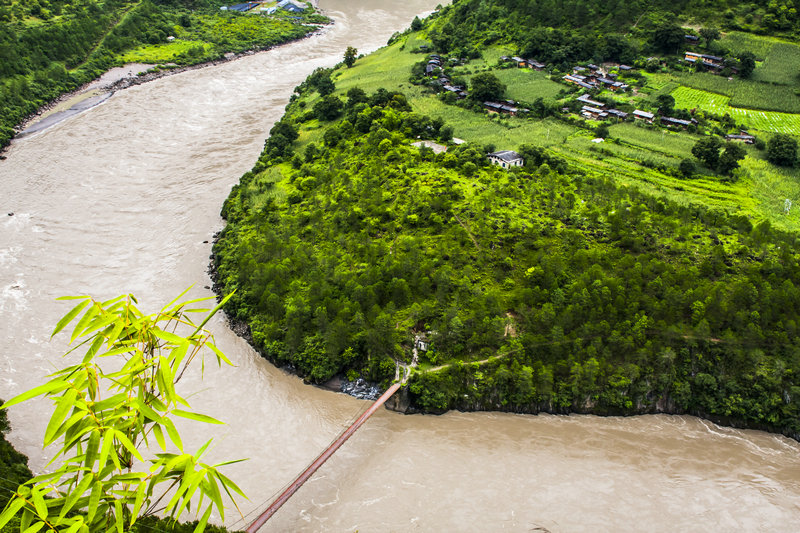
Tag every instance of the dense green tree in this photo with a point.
(687, 167)
(707, 151)
(710, 35)
(730, 157)
(747, 64)
(486, 86)
(782, 150)
(667, 37)
(328, 108)
(350, 56)
(666, 104)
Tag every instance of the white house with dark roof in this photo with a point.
(506, 159)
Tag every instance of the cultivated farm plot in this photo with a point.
(688, 98)
(750, 94)
(738, 42)
(782, 65)
(768, 121)
(527, 84)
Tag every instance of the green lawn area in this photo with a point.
(162, 53)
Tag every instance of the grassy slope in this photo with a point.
(760, 193)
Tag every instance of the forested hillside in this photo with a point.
(51, 47)
(629, 266)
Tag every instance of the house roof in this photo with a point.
(643, 114)
(509, 156)
(740, 137)
(678, 121)
(291, 3)
(625, 67)
(618, 113)
(586, 100)
(704, 56)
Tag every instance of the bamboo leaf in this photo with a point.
(65, 405)
(213, 312)
(34, 528)
(118, 516)
(159, 436)
(169, 337)
(50, 387)
(196, 416)
(137, 506)
(91, 450)
(173, 434)
(108, 441)
(11, 510)
(84, 321)
(39, 503)
(219, 353)
(69, 317)
(201, 525)
(94, 501)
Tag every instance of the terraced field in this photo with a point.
(768, 121)
(688, 98)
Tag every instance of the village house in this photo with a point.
(743, 136)
(593, 67)
(625, 68)
(506, 159)
(643, 115)
(669, 121)
(619, 115)
(714, 62)
(691, 40)
(535, 65)
(593, 113)
(292, 6)
(579, 81)
(522, 63)
(456, 90)
(584, 99)
(612, 84)
(499, 107)
(430, 69)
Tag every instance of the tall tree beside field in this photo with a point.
(486, 86)
(782, 150)
(350, 56)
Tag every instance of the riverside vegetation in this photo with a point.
(50, 47)
(615, 279)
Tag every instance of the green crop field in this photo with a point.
(738, 42)
(527, 85)
(782, 65)
(688, 98)
(769, 121)
(750, 94)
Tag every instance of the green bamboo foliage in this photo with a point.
(120, 456)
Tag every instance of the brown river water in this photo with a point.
(123, 197)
